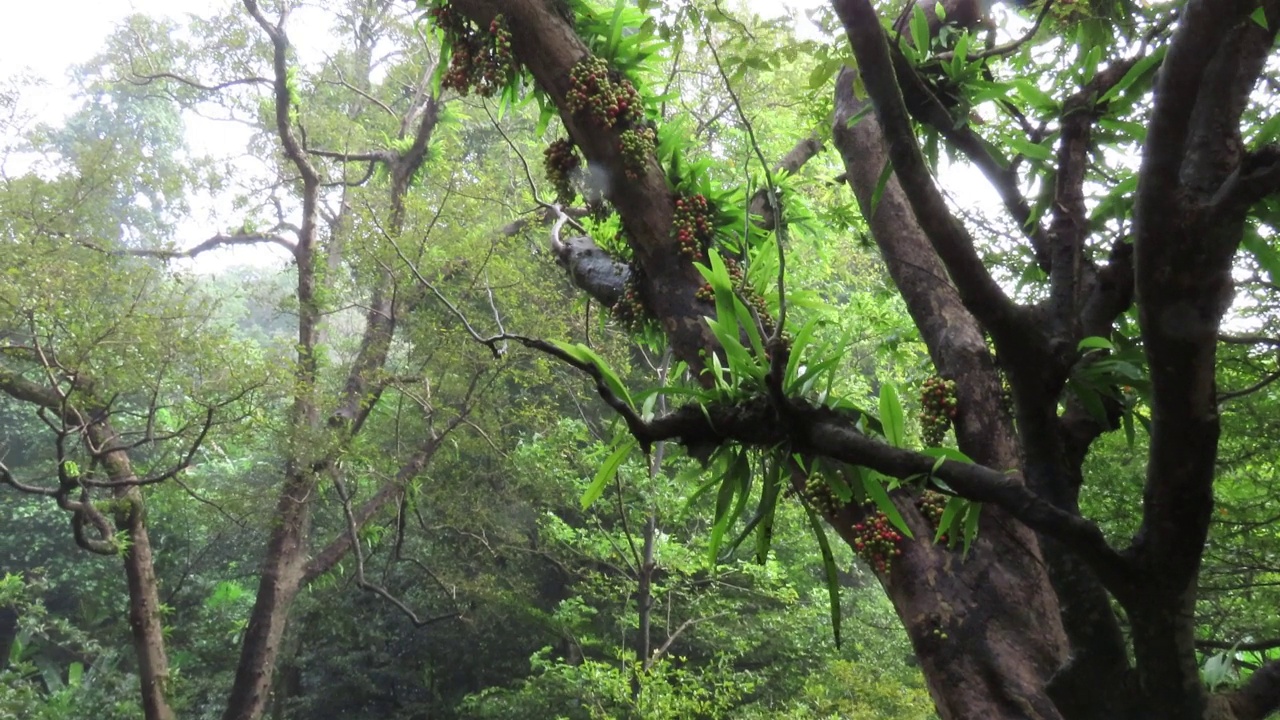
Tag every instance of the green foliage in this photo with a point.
(40, 681)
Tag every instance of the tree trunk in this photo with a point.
(986, 628)
(145, 623)
(8, 634)
(280, 580)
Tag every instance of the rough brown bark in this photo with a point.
(101, 440)
(548, 48)
(1029, 615)
(996, 609)
(145, 622)
(280, 578)
(286, 564)
(8, 633)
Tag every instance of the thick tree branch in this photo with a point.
(1203, 26)
(337, 548)
(926, 107)
(547, 46)
(284, 99)
(1255, 179)
(1260, 695)
(981, 294)
(1072, 272)
(826, 433)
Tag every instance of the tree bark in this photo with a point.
(285, 565)
(1003, 636)
(145, 623)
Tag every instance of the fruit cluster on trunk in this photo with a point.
(937, 409)
(931, 505)
(607, 101)
(482, 59)
(561, 161)
(877, 542)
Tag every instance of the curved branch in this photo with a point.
(213, 243)
(137, 78)
(1257, 178)
(1260, 695)
(1255, 646)
(980, 292)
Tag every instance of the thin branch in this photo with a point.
(1008, 48)
(213, 243)
(363, 583)
(662, 650)
(779, 356)
(1252, 646)
(1233, 394)
(137, 78)
(342, 82)
(1257, 178)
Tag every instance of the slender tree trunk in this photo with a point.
(8, 633)
(145, 623)
(281, 577)
(285, 566)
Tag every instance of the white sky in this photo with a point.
(45, 39)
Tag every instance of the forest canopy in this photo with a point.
(646, 359)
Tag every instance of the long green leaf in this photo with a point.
(610, 377)
(871, 485)
(610, 466)
(586, 355)
(1141, 68)
(728, 488)
(768, 505)
(971, 525)
(891, 416)
(881, 183)
(798, 345)
(950, 514)
(615, 29)
(749, 326)
(829, 566)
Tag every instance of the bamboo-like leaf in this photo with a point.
(615, 28)
(749, 326)
(715, 469)
(610, 377)
(881, 183)
(606, 471)
(950, 515)
(891, 416)
(1095, 342)
(871, 485)
(971, 516)
(829, 567)
(724, 499)
(768, 506)
(944, 454)
(1140, 69)
(920, 29)
(798, 345)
